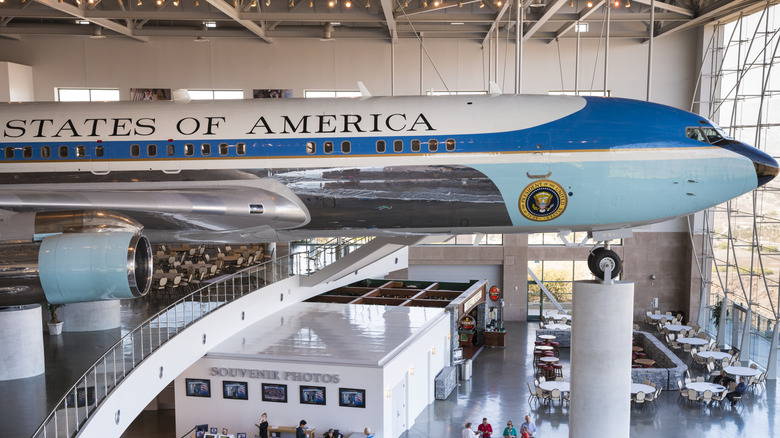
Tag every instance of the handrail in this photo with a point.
(131, 346)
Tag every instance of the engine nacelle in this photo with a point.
(95, 266)
(84, 256)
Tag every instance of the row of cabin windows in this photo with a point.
(135, 150)
(381, 146)
(223, 149)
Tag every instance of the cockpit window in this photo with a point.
(695, 134)
(713, 136)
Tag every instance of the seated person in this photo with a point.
(300, 430)
(722, 379)
(737, 392)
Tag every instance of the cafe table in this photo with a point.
(676, 327)
(549, 359)
(557, 327)
(717, 355)
(661, 316)
(644, 362)
(693, 341)
(636, 387)
(742, 371)
(546, 337)
(550, 385)
(705, 386)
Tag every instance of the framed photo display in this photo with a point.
(235, 390)
(198, 387)
(353, 398)
(313, 395)
(274, 393)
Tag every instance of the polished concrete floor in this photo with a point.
(497, 391)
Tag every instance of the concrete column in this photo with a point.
(91, 316)
(744, 346)
(601, 336)
(21, 342)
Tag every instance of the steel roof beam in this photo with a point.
(232, 13)
(711, 12)
(387, 10)
(499, 16)
(546, 15)
(81, 14)
(668, 7)
(585, 13)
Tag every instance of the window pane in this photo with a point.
(73, 95)
(328, 147)
(105, 95)
(228, 94)
(189, 149)
(319, 94)
(415, 145)
(241, 148)
(45, 152)
(223, 149)
(201, 94)
(348, 94)
(380, 146)
(311, 147)
(205, 149)
(398, 145)
(346, 147)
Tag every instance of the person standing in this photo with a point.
(509, 430)
(263, 426)
(467, 432)
(485, 429)
(524, 432)
(529, 425)
(299, 431)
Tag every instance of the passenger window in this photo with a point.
(398, 145)
(695, 134)
(311, 147)
(346, 147)
(81, 151)
(171, 150)
(327, 147)
(380, 146)
(450, 144)
(63, 151)
(189, 149)
(433, 145)
(151, 150)
(223, 149)
(205, 149)
(45, 152)
(415, 145)
(99, 151)
(27, 152)
(241, 148)
(9, 152)
(135, 150)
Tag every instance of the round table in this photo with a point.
(549, 359)
(546, 337)
(718, 355)
(693, 341)
(544, 347)
(677, 327)
(636, 387)
(645, 362)
(558, 316)
(637, 349)
(557, 327)
(705, 386)
(655, 317)
(561, 386)
(742, 371)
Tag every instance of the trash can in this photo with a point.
(465, 370)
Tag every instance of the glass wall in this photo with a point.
(744, 98)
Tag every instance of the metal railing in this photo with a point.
(91, 389)
(315, 255)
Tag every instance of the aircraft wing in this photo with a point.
(183, 206)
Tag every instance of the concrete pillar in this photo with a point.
(91, 316)
(744, 346)
(21, 342)
(601, 336)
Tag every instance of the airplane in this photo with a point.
(87, 186)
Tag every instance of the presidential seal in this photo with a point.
(542, 200)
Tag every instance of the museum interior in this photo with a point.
(373, 286)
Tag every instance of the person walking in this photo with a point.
(467, 432)
(509, 430)
(529, 425)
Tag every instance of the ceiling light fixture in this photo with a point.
(460, 4)
(628, 3)
(331, 3)
(159, 2)
(311, 3)
(268, 2)
(571, 4)
(201, 39)
(348, 4)
(92, 2)
(292, 3)
(140, 3)
(481, 5)
(368, 4)
(425, 3)
(617, 3)
(195, 3)
(176, 2)
(209, 24)
(498, 3)
(590, 4)
(97, 34)
(406, 3)
(436, 3)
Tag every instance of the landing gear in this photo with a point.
(603, 261)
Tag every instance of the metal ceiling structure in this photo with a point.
(272, 20)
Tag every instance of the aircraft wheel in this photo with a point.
(601, 258)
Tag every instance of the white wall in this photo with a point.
(426, 354)
(298, 64)
(16, 82)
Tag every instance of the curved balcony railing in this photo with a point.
(91, 389)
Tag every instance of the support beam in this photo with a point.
(548, 13)
(771, 365)
(711, 12)
(585, 13)
(387, 10)
(668, 7)
(494, 25)
(81, 14)
(232, 13)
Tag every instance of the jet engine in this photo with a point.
(72, 256)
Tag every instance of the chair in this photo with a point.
(737, 399)
(693, 396)
(657, 312)
(541, 396)
(719, 397)
(702, 335)
(687, 348)
(639, 399)
(531, 393)
(706, 397)
(753, 366)
(683, 391)
(732, 386)
(555, 394)
(700, 379)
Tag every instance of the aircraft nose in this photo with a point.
(766, 168)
